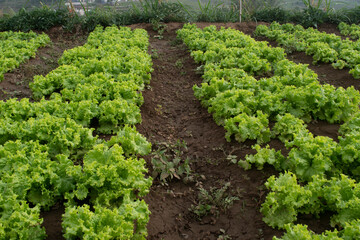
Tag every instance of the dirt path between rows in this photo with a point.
(171, 113)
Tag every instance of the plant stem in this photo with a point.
(240, 9)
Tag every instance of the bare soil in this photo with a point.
(171, 113)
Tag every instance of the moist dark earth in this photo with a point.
(171, 113)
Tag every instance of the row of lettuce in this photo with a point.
(17, 47)
(324, 47)
(353, 30)
(248, 84)
(50, 151)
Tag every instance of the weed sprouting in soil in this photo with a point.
(179, 63)
(168, 162)
(213, 201)
(159, 27)
(154, 53)
(223, 235)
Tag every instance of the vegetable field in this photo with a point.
(183, 131)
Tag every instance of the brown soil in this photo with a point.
(170, 113)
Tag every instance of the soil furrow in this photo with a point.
(171, 113)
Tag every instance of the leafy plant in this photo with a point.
(223, 235)
(179, 63)
(49, 152)
(41, 18)
(288, 127)
(154, 53)
(324, 47)
(213, 201)
(299, 231)
(322, 52)
(109, 78)
(17, 47)
(245, 127)
(288, 198)
(106, 223)
(162, 11)
(131, 141)
(271, 14)
(263, 155)
(282, 204)
(352, 30)
(317, 4)
(168, 162)
(251, 7)
(18, 220)
(158, 27)
(62, 135)
(217, 11)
